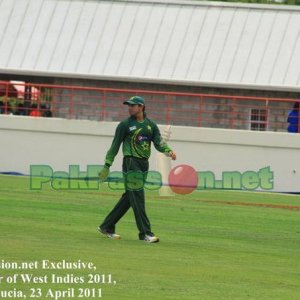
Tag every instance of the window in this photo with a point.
(258, 119)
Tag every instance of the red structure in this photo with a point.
(186, 109)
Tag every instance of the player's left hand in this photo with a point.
(172, 154)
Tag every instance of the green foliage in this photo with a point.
(12, 103)
(46, 95)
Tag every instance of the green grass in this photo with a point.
(212, 245)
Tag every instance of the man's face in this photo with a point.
(134, 109)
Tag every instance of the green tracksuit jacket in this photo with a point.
(136, 138)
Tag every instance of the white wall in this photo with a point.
(60, 142)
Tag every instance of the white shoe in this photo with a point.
(112, 236)
(151, 239)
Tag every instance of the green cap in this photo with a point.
(135, 100)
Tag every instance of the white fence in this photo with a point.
(59, 143)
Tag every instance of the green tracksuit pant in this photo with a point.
(133, 197)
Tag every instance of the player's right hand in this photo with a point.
(172, 154)
(103, 174)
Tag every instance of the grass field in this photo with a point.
(214, 244)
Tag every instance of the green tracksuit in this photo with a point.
(136, 138)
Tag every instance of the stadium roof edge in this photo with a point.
(212, 84)
(281, 7)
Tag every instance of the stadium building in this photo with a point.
(226, 211)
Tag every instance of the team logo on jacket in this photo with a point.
(142, 138)
(132, 128)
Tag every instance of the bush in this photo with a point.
(12, 104)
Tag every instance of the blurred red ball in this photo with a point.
(183, 179)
